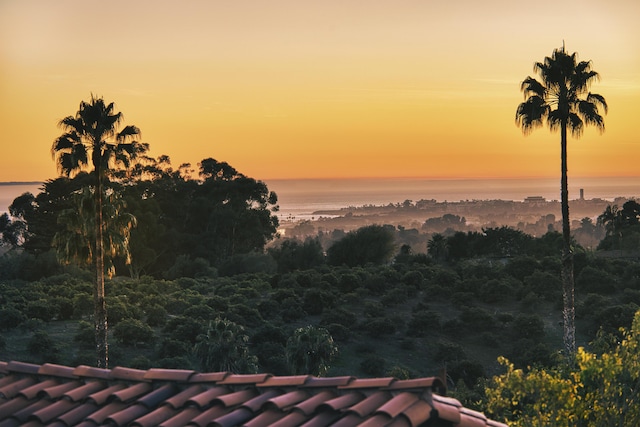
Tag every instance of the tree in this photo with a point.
(561, 98)
(310, 350)
(92, 142)
(370, 244)
(596, 390)
(224, 348)
(437, 247)
(622, 226)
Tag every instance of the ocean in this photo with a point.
(299, 199)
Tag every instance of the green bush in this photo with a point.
(133, 332)
(10, 317)
(41, 344)
(85, 336)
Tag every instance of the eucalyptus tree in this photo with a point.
(562, 100)
(93, 141)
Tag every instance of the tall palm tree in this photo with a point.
(92, 142)
(561, 98)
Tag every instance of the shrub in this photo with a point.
(184, 329)
(133, 332)
(395, 296)
(349, 282)
(10, 317)
(170, 348)
(41, 344)
(379, 326)
(423, 322)
(156, 315)
(413, 279)
(495, 290)
(447, 351)
(595, 280)
(42, 309)
(85, 336)
(373, 366)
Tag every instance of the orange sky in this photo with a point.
(308, 89)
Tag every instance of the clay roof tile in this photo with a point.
(79, 413)
(90, 371)
(233, 418)
(236, 398)
(168, 375)
(13, 388)
(156, 417)
(211, 377)
(129, 374)
(179, 399)
(238, 379)
(378, 420)
(54, 410)
(101, 397)
(23, 368)
(344, 401)
(397, 404)
(291, 420)
(288, 399)
(447, 408)
(82, 392)
(369, 383)
(182, 418)
(284, 381)
(418, 413)
(257, 402)
(32, 391)
(158, 395)
(59, 390)
(130, 393)
(327, 382)
(312, 404)
(370, 404)
(322, 419)
(56, 370)
(267, 418)
(206, 417)
(128, 414)
(205, 398)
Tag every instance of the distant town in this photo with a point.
(534, 215)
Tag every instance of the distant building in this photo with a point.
(535, 199)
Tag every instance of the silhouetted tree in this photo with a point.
(370, 244)
(92, 142)
(562, 99)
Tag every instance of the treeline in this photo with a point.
(185, 224)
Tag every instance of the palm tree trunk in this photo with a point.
(100, 306)
(568, 298)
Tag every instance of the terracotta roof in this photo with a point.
(61, 396)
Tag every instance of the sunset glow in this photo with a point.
(302, 89)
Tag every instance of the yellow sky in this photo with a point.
(308, 89)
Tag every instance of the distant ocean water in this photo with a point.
(301, 198)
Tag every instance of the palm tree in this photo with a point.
(225, 347)
(92, 142)
(310, 350)
(561, 98)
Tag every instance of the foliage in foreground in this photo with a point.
(599, 390)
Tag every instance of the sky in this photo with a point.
(286, 89)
